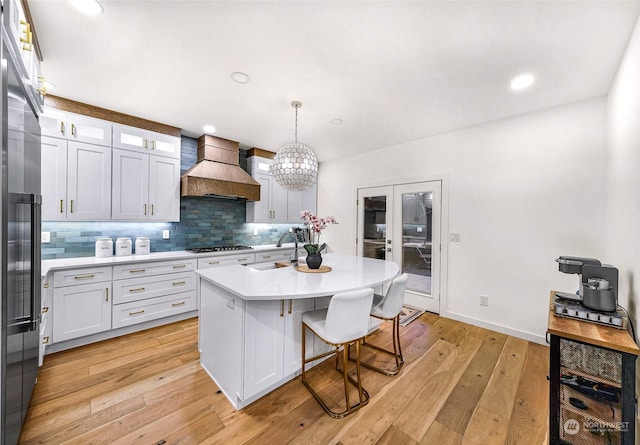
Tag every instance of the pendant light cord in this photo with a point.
(296, 131)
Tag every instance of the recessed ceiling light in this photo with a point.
(209, 129)
(240, 77)
(88, 7)
(336, 121)
(522, 81)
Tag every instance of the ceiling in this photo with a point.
(393, 71)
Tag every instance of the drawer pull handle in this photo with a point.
(179, 266)
(45, 310)
(62, 127)
(266, 256)
(178, 283)
(61, 206)
(73, 130)
(137, 312)
(290, 305)
(178, 304)
(45, 340)
(83, 277)
(137, 289)
(242, 259)
(106, 294)
(137, 270)
(214, 262)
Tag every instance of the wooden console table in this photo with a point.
(591, 383)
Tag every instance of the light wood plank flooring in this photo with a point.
(461, 384)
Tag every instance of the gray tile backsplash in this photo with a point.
(204, 221)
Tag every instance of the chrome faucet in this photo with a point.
(294, 235)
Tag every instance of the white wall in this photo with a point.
(522, 191)
(623, 193)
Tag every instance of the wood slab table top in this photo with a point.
(592, 333)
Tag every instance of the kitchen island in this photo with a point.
(250, 319)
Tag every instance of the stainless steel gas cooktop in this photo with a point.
(218, 248)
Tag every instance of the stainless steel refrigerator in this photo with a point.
(19, 244)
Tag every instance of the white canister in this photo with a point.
(123, 246)
(104, 247)
(143, 245)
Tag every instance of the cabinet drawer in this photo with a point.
(134, 289)
(151, 309)
(88, 275)
(581, 429)
(274, 256)
(226, 260)
(602, 409)
(150, 269)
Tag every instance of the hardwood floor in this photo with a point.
(461, 384)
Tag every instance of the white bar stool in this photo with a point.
(345, 321)
(389, 307)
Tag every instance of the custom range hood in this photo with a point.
(218, 173)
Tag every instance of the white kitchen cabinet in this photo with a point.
(130, 187)
(273, 342)
(272, 207)
(145, 187)
(292, 355)
(53, 123)
(54, 179)
(297, 201)
(271, 256)
(88, 182)
(164, 188)
(148, 291)
(226, 260)
(75, 127)
(135, 289)
(137, 139)
(46, 305)
(277, 205)
(136, 312)
(81, 310)
(76, 181)
(264, 345)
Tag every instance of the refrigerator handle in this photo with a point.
(36, 256)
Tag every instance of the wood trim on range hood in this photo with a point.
(218, 173)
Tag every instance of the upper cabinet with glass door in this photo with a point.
(137, 139)
(74, 127)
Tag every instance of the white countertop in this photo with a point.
(91, 261)
(348, 273)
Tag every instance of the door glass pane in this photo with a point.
(375, 227)
(416, 240)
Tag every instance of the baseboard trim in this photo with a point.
(529, 336)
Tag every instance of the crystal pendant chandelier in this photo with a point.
(295, 166)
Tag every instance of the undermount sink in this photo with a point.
(269, 266)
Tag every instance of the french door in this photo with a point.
(401, 223)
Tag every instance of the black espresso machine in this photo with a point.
(598, 283)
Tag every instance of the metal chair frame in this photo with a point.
(363, 395)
